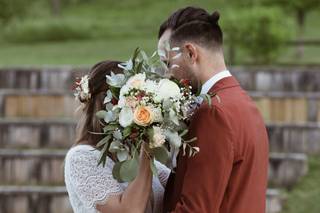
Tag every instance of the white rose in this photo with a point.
(126, 117)
(168, 89)
(158, 138)
(137, 81)
(151, 86)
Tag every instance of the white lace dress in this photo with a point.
(88, 185)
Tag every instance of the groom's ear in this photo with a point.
(191, 52)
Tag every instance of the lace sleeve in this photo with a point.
(163, 173)
(93, 184)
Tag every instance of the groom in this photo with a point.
(229, 174)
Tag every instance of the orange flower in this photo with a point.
(143, 116)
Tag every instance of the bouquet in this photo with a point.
(145, 107)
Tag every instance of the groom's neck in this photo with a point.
(211, 66)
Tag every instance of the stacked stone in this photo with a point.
(37, 127)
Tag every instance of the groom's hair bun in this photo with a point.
(196, 25)
(214, 17)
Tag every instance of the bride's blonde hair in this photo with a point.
(88, 122)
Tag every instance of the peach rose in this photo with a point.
(143, 116)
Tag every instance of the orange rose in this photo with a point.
(143, 116)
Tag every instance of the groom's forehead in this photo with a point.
(163, 39)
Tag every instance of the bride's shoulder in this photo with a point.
(81, 152)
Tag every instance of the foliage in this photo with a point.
(40, 31)
(260, 31)
(10, 9)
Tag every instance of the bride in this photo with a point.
(92, 188)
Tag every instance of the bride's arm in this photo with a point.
(135, 198)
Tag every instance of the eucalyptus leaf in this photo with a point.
(161, 154)
(101, 114)
(110, 128)
(129, 170)
(153, 168)
(115, 146)
(122, 155)
(116, 171)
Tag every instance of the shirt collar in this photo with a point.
(213, 80)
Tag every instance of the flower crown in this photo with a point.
(82, 92)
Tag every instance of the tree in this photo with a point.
(300, 8)
(257, 30)
(10, 9)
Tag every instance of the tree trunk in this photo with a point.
(301, 15)
(56, 7)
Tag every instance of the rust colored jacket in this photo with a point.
(229, 174)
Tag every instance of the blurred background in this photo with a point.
(271, 46)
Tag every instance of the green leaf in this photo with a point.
(122, 155)
(115, 146)
(103, 156)
(139, 67)
(116, 171)
(150, 133)
(161, 154)
(129, 170)
(207, 98)
(126, 132)
(153, 168)
(115, 91)
(135, 55)
(101, 114)
(103, 141)
(184, 132)
(110, 127)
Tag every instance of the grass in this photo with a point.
(115, 30)
(305, 196)
(85, 52)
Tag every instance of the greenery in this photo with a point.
(86, 31)
(305, 195)
(257, 30)
(34, 31)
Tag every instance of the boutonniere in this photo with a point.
(213, 94)
(209, 96)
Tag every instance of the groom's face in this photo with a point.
(177, 65)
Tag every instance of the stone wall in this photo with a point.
(37, 127)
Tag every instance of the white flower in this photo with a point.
(158, 138)
(150, 86)
(85, 84)
(128, 65)
(115, 80)
(108, 97)
(126, 117)
(157, 115)
(173, 138)
(137, 81)
(168, 89)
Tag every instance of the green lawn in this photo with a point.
(115, 29)
(305, 196)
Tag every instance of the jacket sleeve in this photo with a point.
(207, 173)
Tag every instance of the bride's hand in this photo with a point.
(145, 157)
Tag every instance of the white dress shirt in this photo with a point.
(213, 80)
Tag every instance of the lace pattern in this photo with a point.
(88, 184)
